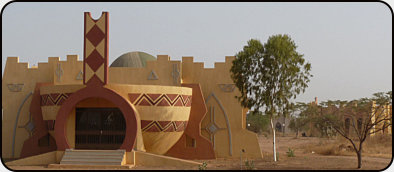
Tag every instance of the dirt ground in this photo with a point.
(310, 153)
(304, 158)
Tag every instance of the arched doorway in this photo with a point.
(347, 126)
(99, 128)
(70, 105)
(278, 126)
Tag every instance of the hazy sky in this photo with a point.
(348, 44)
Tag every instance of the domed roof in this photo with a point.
(132, 59)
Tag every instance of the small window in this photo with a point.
(44, 141)
(359, 124)
(190, 142)
(347, 126)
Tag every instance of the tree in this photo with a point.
(297, 124)
(257, 121)
(268, 76)
(382, 98)
(360, 117)
(300, 121)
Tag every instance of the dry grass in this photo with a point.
(377, 146)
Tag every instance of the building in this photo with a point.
(377, 112)
(282, 124)
(139, 103)
(383, 111)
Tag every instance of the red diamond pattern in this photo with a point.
(94, 60)
(95, 35)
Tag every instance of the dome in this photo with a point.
(132, 59)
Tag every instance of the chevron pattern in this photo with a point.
(163, 126)
(95, 63)
(144, 99)
(54, 99)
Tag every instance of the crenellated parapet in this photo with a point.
(162, 71)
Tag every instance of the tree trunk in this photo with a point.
(359, 159)
(273, 137)
(359, 165)
(297, 133)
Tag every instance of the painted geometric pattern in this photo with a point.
(163, 126)
(160, 99)
(54, 99)
(50, 124)
(95, 50)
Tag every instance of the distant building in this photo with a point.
(376, 110)
(281, 124)
(387, 111)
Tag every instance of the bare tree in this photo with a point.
(356, 121)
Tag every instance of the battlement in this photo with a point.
(200, 65)
(51, 60)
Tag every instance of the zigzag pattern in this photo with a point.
(160, 99)
(163, 126)
(54, 99)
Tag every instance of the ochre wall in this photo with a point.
(220, 101)
(21, 73)
(203, 148)
(163, 67)
(210, 80)
(153, 160)
(42, 159)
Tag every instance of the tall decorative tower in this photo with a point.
(95, 60)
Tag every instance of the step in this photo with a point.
(93, 157)
(66, 166)
(91, 163)
(96, 153)
(94, 150)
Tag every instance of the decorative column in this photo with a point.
(95, 60)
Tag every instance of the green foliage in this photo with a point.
(269, 75)
(382, 98)
(290, 153)
(249, 165)
(203, 166)
(258, 122)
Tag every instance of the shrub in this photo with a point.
(249, 164)
(290, 153)
(203, 166)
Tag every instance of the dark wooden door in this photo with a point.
(99, 128)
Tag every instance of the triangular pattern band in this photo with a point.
(163, 126)
(144, 99)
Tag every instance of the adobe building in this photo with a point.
(378, 113)
(147, 110)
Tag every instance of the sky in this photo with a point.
(348, 44)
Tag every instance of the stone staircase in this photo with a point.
(94, 157)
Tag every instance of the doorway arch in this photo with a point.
(123, 104)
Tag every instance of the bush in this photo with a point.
(203, 166)
(290, 153)
(257, 121)
(249, 164)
